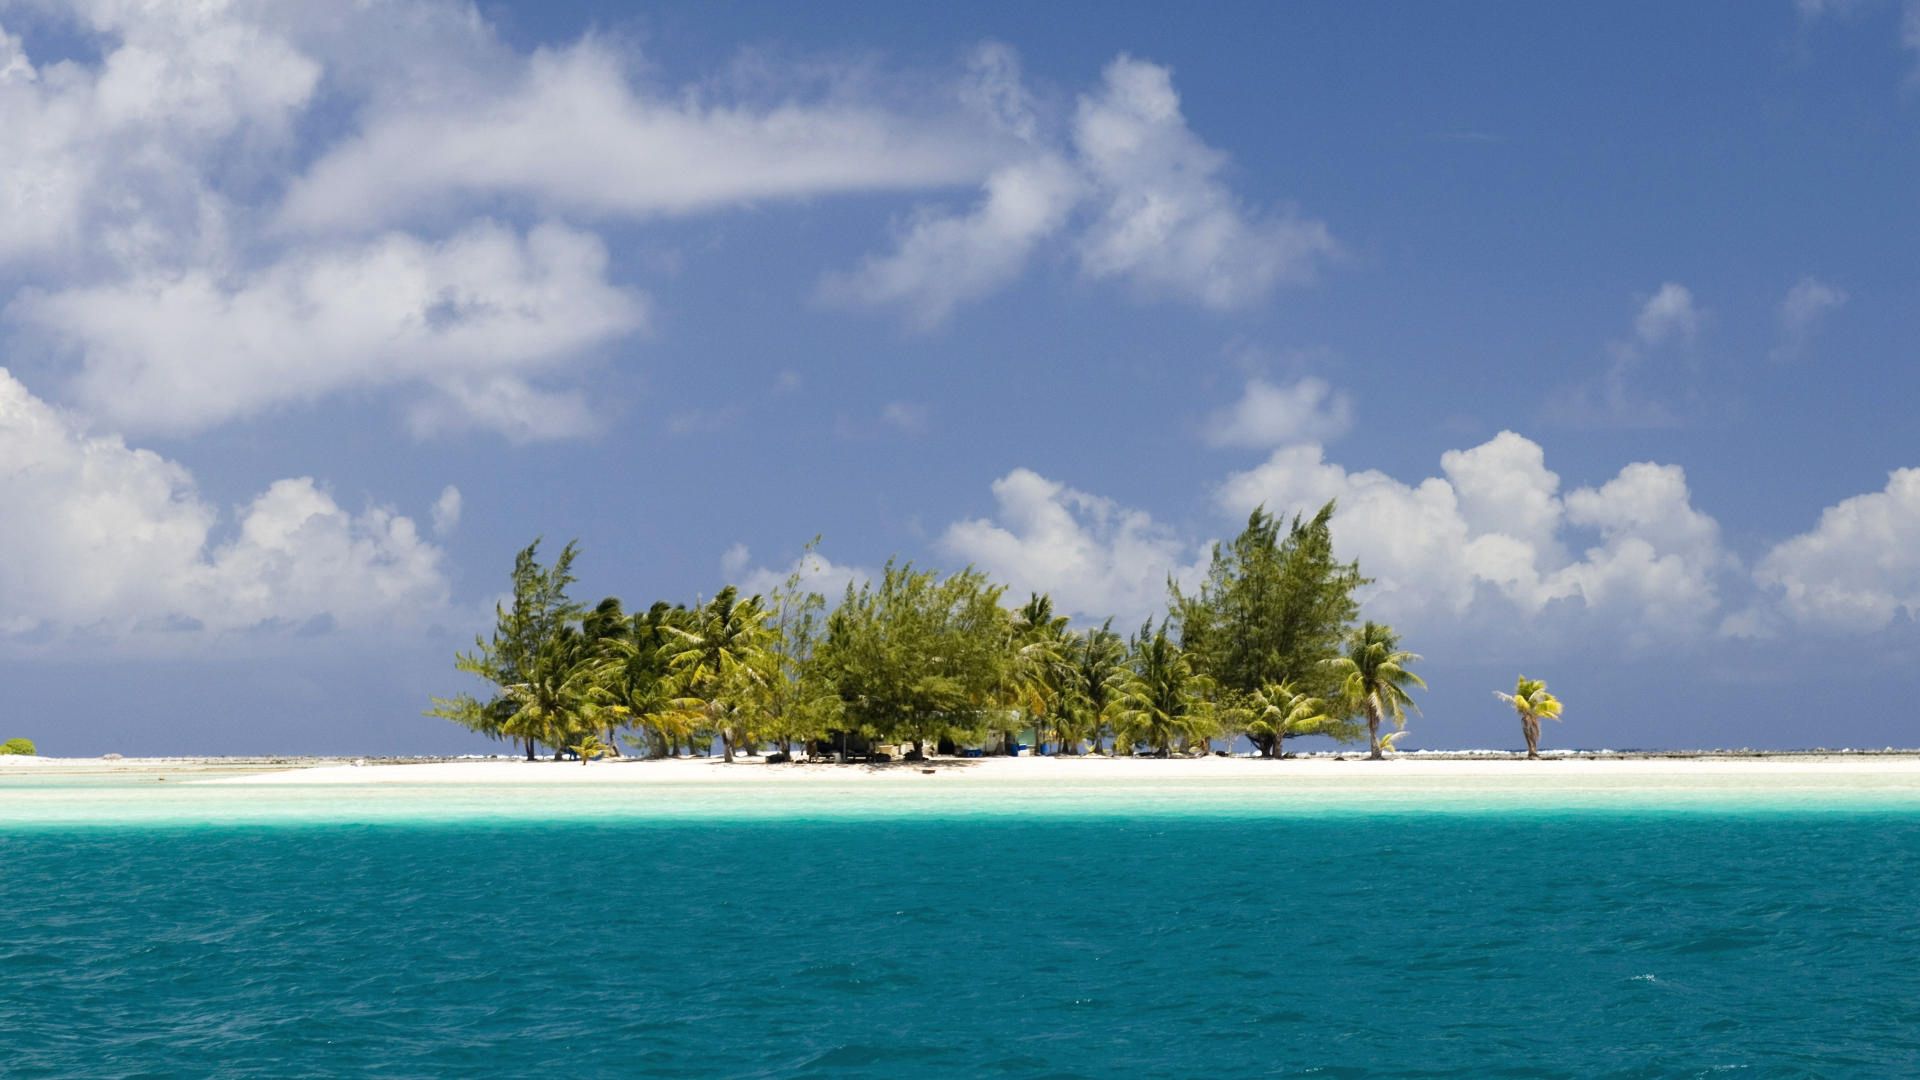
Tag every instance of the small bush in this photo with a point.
(18, 746)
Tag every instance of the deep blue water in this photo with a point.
(1577, 943)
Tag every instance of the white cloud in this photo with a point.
(446, 511)
(572, 133)
(1158, 214)
(1266, 415)
(1094, 556)
(943, 261)
(1664, 321)
(1802, 310)
(906, 417)
(1859, 569)
(471, 319)
(1490, 536)
(118, 159)
(1166, 222)
(815, 571)
(108, 541)
(1668, 315)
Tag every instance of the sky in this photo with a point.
(1598, 322)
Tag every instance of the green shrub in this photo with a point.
(18, 746)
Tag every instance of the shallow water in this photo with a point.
(252, 932)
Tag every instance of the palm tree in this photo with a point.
(1163, 700)
(1531, 700)
(1096, 676)
(1374, 679)
(1279, 710)
(1035, 673)
(558, 694)
(720, 662)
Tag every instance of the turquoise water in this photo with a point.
(1077, 939)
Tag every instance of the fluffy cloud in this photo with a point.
(1490, 535)
(815, 572)
(1805, 306)
(1859, 568)
(1094, 556)
(1166, 221)
(942, 261)
(1668, 315)
(1664, 321)
(446, 511)
(470, 319)
(1267, 415)
(1156, 211)
(572, 133)
(104, 540)
(115, 159)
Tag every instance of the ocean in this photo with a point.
(571, 934)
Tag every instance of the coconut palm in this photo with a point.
(1531, 700)
(1280, 709)
(1096, 675)
(1375, 680)
(1163, 701)
(719, 662)
(1036, 668)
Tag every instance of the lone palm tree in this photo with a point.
(1531, 700)
(1374, 679)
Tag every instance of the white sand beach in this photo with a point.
(1399, 770)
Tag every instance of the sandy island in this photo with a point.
(1841, 767)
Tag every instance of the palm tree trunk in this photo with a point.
(726, 746)
(1373, 728)
(529, 748)
(1530, 727)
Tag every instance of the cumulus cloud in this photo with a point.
(446, 511)
(1803, 309)
(1491, 535)
(1308, 410)
(1156, 211)
(1668, 315)
(1665, 321)
(105, 540)
(1166, 220)
(470, 319)
(944, 260)
(1095, 557)
(1858, 569)
(815, 572)
(117, 159)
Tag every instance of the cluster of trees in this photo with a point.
(22, 747)
(1267, 647)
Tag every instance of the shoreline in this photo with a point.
(1349, 767)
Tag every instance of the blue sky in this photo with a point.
(1599, 323)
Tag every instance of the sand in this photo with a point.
(1399, 770)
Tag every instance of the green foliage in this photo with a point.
(1035, 675)
(539, 663)
(915, 657)
(1278, 710)
(1163, 702)
(1532, 702)
(1375, 679)
(799, 701)
(918, 658)
(1095, 678)
(22, 747)
(719, 666)
(1274, 605)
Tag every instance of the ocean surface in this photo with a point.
(245, 931)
